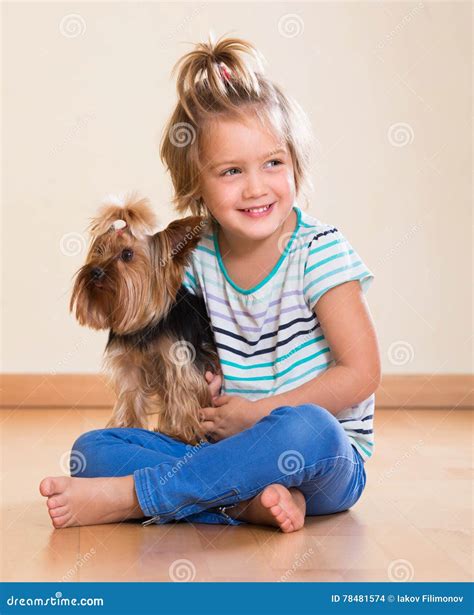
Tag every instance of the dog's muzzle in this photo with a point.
(97, 274)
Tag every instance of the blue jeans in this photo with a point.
(296, 446)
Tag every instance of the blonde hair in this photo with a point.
(216, 81)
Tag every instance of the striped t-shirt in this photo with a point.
(268, 337)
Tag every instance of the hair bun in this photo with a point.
(218, 65)
(219, 81)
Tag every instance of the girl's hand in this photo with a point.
(230, 415)
(214, 382)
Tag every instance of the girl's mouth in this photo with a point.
(258, 212)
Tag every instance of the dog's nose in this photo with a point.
(97, 274)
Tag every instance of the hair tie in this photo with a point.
(118, 226)
(225, 71)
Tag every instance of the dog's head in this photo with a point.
(132, 274)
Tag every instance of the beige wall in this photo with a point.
(387, 88)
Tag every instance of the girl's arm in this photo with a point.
(349, 330)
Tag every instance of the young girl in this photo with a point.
(300, 362)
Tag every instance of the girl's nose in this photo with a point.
(254, 186)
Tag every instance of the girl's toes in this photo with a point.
(47, 486)
(59, 511)
(55, 501)
(276, 510)
(270, 497)
(278, 513)
(61, 521)
(287, 526)
(53, 485)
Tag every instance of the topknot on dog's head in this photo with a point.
(124, 213)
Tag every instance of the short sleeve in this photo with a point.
(190, 280)
(331, 261)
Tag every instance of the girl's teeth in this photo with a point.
(259, 210)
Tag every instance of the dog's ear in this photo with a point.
(181, 237)
(136, 213)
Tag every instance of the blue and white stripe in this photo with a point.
(268, 338)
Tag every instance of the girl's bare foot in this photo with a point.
(90, 501)
(275, 505)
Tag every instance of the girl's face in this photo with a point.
(244, 167)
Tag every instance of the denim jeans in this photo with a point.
(296, 446)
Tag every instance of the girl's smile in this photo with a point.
(247, 182)
(258, 212)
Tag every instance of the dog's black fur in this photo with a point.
(187, 320)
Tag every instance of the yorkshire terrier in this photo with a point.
(160, 340)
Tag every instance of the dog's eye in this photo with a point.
(127, 255)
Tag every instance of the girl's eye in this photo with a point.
(127, 255)
(225, 173)
(228, 170)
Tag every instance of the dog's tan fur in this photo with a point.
(130, 299)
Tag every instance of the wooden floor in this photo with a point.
(413, 521)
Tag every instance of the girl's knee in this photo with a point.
(309, 416)
(82, 449)
(93, 453)
(311, 428)
(87, 439)
(100, 436)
